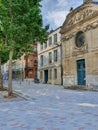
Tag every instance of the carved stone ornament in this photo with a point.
(81, 46)
(84, 29)
(80, 14)
(79, 51)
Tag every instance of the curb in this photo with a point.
(25, 97)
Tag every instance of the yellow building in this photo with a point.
(80, 46)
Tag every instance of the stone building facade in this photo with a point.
(49, 59)
(18, 68)
(80, 46)
(24, 67)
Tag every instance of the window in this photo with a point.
(50, 57)
(41, 58)
(55, 38)
(35, 62)
(55, 55)
(55, 73)
(50, 41)
(45, 45)
(50, 74)
(41, 46)
(35, 48)
(80, 39)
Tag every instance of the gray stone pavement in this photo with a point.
(28, 89)
(49, 107)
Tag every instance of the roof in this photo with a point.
(51, 31)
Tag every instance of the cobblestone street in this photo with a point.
(49, 107)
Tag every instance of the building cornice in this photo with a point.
(71, 33)
(50, 48)
(50, 66)
(79, 16)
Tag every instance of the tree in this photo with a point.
(3, 58)
(1, 84)
(3, 52)
(22, 24)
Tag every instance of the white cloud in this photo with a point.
(54, 11)
(95, 0)
(88, 105)
(62, 3)
(56, 18)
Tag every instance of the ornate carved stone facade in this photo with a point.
(80, 63)
(87, 1)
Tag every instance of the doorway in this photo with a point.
(45, 76)
(81, 72)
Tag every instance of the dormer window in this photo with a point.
(50, 41)
(55, 38)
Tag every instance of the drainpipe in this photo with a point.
(60, 45)
(61, 65)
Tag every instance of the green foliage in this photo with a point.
(4, 51)
(21, 22)
(18, 52)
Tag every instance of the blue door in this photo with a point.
(81, 72)
(45, 76)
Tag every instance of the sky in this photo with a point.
(54, 11)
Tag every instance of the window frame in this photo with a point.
(41, 59)
(55, 55)
(50, 57)
(50, 41)
(41, 46)
(55, 38)
(45, 45)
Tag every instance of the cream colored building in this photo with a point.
(18, 67)
(80, 46)
(49, 59)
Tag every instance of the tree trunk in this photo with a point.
(26, 65)
(1, 84)
(10, 73)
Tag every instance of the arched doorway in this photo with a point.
(30, 74)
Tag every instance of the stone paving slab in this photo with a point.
(4, 94)
(54, 108)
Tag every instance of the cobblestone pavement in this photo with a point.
(49, 107)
